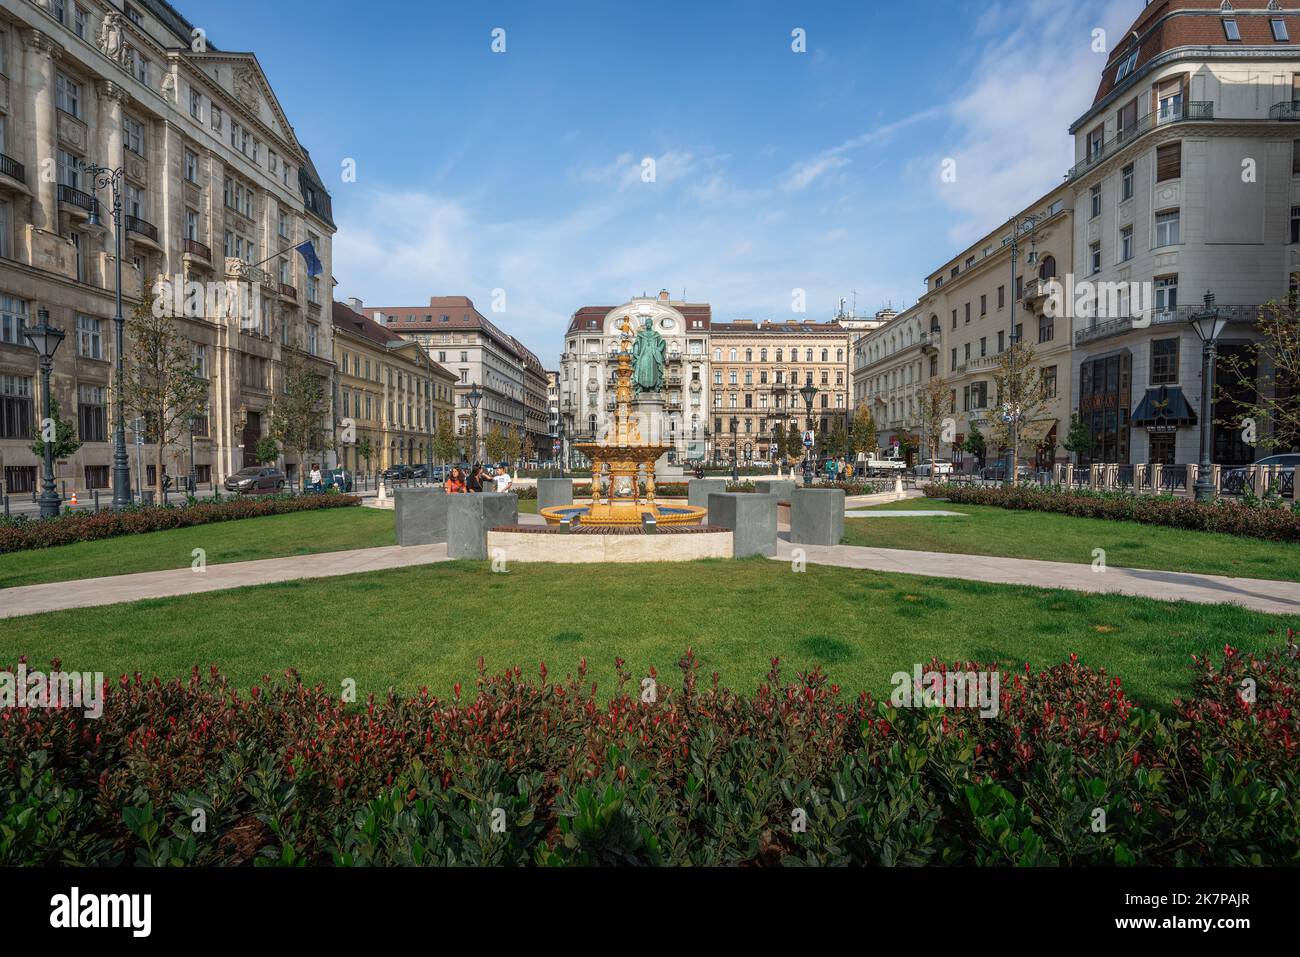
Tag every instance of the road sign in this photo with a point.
(808, 439)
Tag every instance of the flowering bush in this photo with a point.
(1232, 518)
(18, 534)
(540, 771)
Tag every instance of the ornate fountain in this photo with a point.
(623, 460)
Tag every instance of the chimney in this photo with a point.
(663, 295)
(355, 304)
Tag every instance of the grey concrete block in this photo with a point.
(751, 516)
(469, 516)
(421, 515)
(698, 490)
(554, 491)
(817, 516)
(781, 488)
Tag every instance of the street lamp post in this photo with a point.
(475, 397)
(1209, 326)
(45, 339)
(1011, 401)
(103, 177)
(778, 396)
(735, 474)
(193, 470)
(809, 393)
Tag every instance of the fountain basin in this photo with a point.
(624, 514)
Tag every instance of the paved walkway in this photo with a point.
(88, 592)
(1272, 597)
(901, 513)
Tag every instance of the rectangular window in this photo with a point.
(15, 408)
(1295, 224)
(1126, 119)
(196, 104)
(67, 95)
(1094, 202)
(91, 414)
(1126, 183)
(1164, 361)
(1095, 141)
(1169, 99)
(1126, 244)
(191, 166)
(6, 229)
(69, 171)
(90, 340)
(217, 118)
(1169, 161)
(1279, 31)
(1166, 295)
(1094, 257)
(133, 135)
(201, 360)
(984, 305)
(13, 319)
(79, 21)
(192, 224)
(1002, 296)
(1231, 30)
(1126, 66)
(1167, 228)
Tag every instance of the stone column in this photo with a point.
(41, 154)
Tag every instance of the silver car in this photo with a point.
(256, 478)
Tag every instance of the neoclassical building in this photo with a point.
(891, 365)
(590, 357)
(215, 187)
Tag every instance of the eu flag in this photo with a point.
(314, 267)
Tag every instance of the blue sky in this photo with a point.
(774, 170)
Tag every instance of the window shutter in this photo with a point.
(1169, 162)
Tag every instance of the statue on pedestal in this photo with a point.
(648, 353)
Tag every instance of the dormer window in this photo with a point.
(1126, 65)
(1279, 31)
(1231, 30)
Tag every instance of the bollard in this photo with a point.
(96, 501)
(6, 506)
(649, 523)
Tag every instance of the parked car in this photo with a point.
(420, 472)
(339, 478)
(872, 463)
(397, 473)
(1234, 480)
(938, 467)
(256, 478)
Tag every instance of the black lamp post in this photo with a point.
(45, 339)
(1012, 401)
(102, 177)
(809, 393)
(475, 397)
(194, 421)
(735, 474)
(778, 397)
(1209, 326)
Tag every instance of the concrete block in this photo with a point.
(817, 516)
(751, 516)
(470, 515)
(421, 515)
(698, 490)
(554, 491)
(781, 488)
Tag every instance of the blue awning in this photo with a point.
(1164, 406)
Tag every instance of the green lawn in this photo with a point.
(426, 626)
(274, 536)
(986, 530)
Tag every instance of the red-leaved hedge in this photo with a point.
(22, 533)
(1273, 522)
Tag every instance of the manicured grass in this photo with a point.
(986, 530)
(426, 626)
(274, 536)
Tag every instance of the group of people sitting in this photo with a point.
(478, 479)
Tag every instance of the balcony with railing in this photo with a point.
(134, 224)
(78, 200)
(1107, 328)
(1193, 110)
(196, 249)
(1288, 110)
(12, 168)
(287, 291)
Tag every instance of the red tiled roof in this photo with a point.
(347, 319)
(1164, 25)
(591, 317)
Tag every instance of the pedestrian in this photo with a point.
(456, 481)
(502, 479)
(315, 477)
(475, 482)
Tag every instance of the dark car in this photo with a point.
(420, 472)
(398, 473)
(256, 478)
(340, 479)
(1235, 481)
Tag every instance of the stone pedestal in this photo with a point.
(781, 488)
(421, 515)
(751, 518)
(554, 491)
(817, 516)
(698, 490)
(470, 515)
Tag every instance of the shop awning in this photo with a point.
(1037, 431)
(1164, 406)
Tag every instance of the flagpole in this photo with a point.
(279, 252)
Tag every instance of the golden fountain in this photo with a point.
(617, 463)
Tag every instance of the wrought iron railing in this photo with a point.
(196, 248)
(135, 224)
(1194, 110)
(75, 197)
(288, 291)
(12, 168)
(1181, 314)
(1173, 478)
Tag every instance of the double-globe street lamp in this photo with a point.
(474, 397)
(1209, 325)
(45, 340)
(102, 177)
(809, 393)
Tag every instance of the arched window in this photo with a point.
(839, 355)
(1048, 268)
(749, 355)
(717, 355)
(733, 355)
(826, 354)
(762, 355)
(807, 355)
(779, 354)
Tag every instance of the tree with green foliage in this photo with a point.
(974, 444)
(862, 430)
(298, 416)
(495, 443)
(64, 441)
(267, 450)
(1078, 439)
(366, 451)
(778, 443)
(446, 443)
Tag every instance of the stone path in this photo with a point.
(901, 513)
(1273, 597)
(88, 592)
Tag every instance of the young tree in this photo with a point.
(862, 430)
(794, 443)
(445, 442)
(366, 451)
(1077, 439)
(934, 405)
(1259, 383)
(298, 416)
(64, 441)
(1020, 390)
(266, 450)
(778, 443)
(495, 443)
(974, 444)
(512, 445)
(161, 385)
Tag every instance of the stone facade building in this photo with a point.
(214, 181)
(388, 389)
(756, 370)
(891, 365)
(1187, 180)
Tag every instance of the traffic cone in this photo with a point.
(74, 498)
